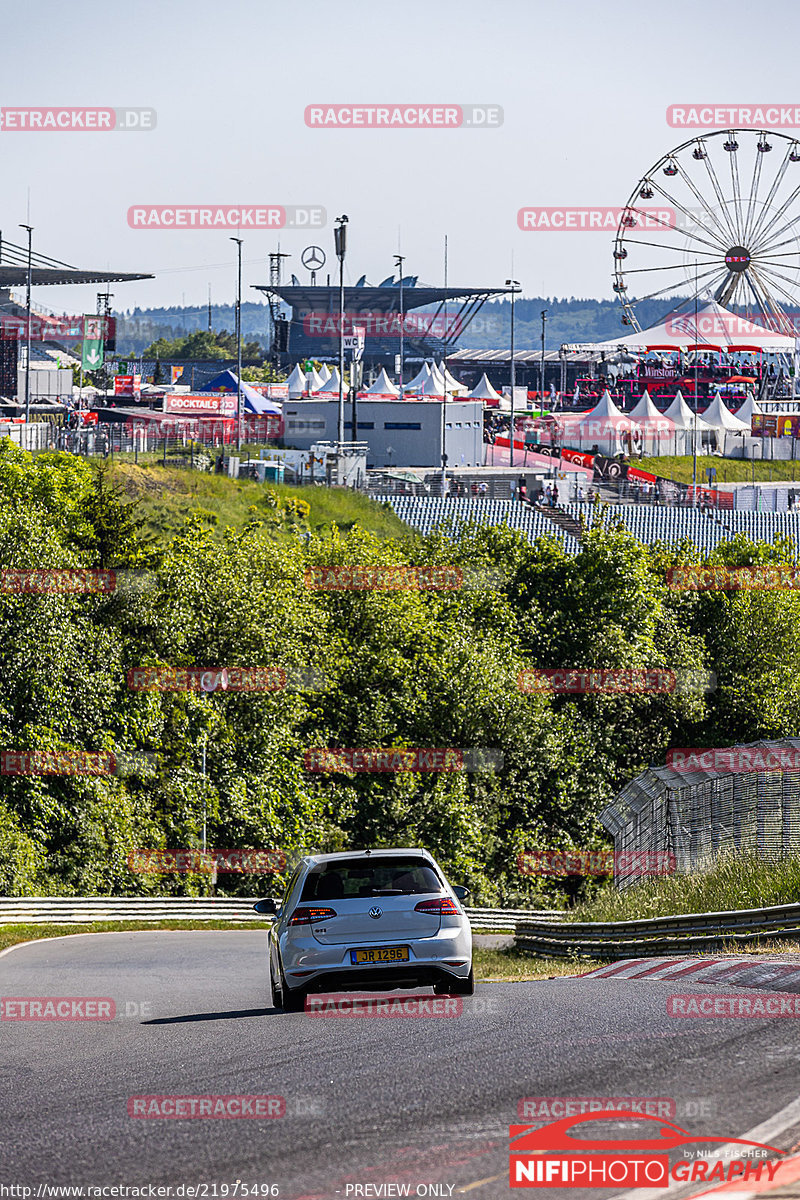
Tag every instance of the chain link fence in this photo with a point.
(697, 815)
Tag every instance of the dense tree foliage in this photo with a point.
(364, 668)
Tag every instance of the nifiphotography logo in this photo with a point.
(552, 1156)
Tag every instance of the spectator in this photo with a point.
(580, 494)
(554, 501)
(548, 495)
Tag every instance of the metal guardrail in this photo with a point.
(656, 936)
(79, 910)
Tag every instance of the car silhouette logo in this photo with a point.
(376, 912)
(557, 1137)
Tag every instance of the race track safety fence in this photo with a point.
(76, 910)
(655, 937)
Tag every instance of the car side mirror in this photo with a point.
(267, 905)
(461, 892)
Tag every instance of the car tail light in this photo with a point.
(443, 907)
(305, 916)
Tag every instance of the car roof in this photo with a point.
(343, 855)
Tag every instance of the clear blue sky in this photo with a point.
(584, 87)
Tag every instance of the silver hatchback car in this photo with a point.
(368, 919)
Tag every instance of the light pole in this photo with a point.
(28, 325)
(513, 284)
(544, 319)
(696, 367)
(340, 243)
(399, 260)
(239, 347)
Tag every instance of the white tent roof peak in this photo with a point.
(324, 373)
(332, 385)
(682, 416)
(715, 326)
(382, 386)
(645, 413)
(452, 383)
(483, 390)
(605, 408)
(421, 376)
(433, 387)
(749, 409)
(296, 383)
(718, 415)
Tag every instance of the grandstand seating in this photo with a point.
(426, 512)
(650, 523)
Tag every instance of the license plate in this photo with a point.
(379, 954)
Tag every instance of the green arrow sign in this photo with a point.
(92, 357)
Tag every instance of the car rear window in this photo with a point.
(357, 877)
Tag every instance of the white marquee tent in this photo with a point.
(422, 376)
(604, 426)
(715, 325)
(331, 387)
(483, 390)
(382, 388)
(683, 420)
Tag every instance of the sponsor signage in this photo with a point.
(775, 425)
(209, 404)
(127, 385)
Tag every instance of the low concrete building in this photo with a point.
(399, 433)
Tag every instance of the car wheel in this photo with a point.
(294, 999)
(457, 987)
(277, 994)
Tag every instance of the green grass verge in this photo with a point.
(509, 966)
(167, 495)
(729, 470)
(734, 881)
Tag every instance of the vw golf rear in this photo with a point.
(368, 920)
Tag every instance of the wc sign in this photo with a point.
(355, 342)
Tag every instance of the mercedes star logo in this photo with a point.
(376, 912)
(313, 257)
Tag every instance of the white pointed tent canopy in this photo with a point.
(604, 426)
(655, 430)
(382, 387)
(324, 373)
(422, 375)
(719, 416)
(432, 389)
(331, 386)
(748, 410)
(452, 383)
(296, 383)
(686, 426)
(728, 429)
(483, 390)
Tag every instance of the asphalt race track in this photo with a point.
(368, 1100)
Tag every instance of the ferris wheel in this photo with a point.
(717, 218)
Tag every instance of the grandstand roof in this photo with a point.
(46, 272)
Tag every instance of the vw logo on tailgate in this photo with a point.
(376, 912)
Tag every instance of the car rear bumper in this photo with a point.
(315, 967)
(405, 975)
